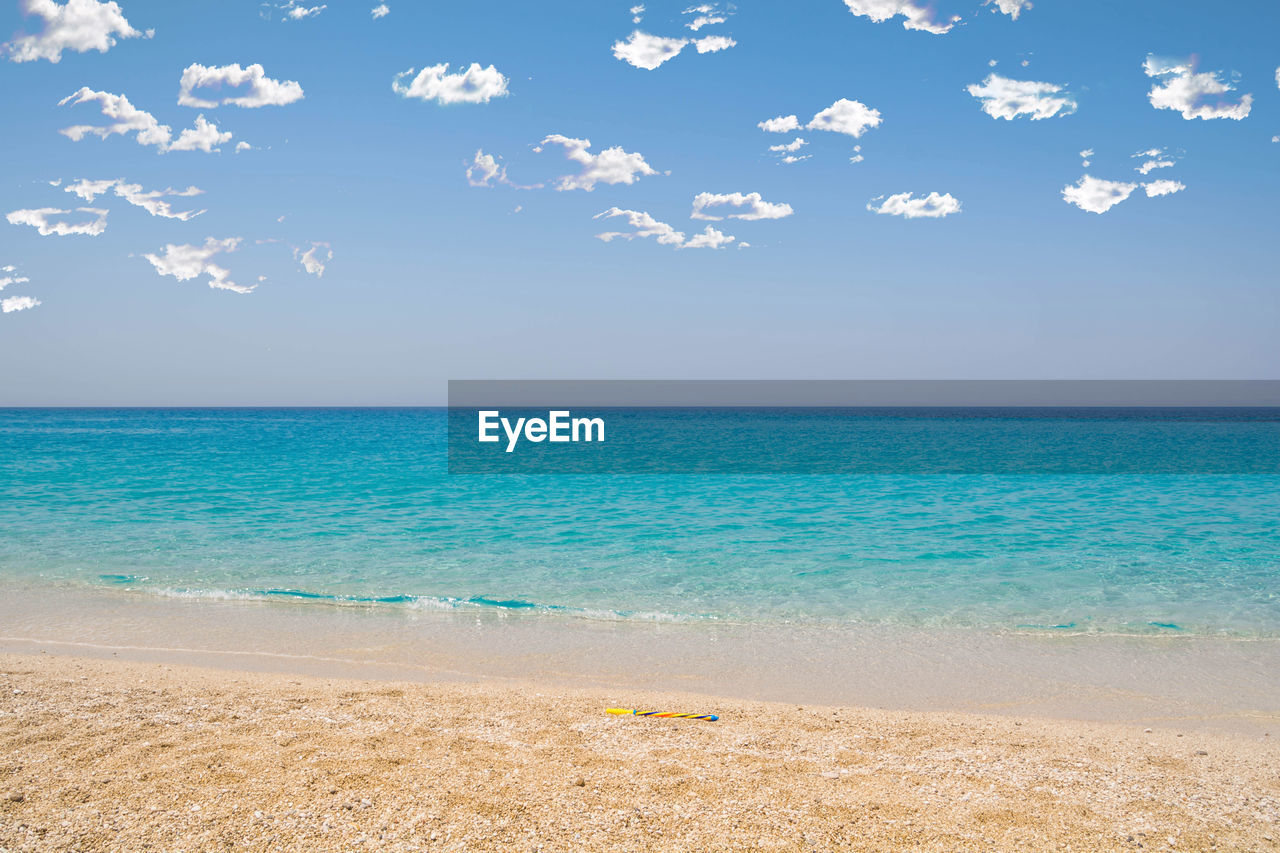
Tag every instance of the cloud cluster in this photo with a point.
(610, 166)
(185, 262)
(1194, 94)
(787, 151)
(380, 11)
(647, 51)
(295, 11)
(753, 206)
(918, 16)
(77, 25)
(1007, 99)
(646, 226)
(261, 90)
(7, 276)
(203, 136)
(932, 206)
(152, 202)
(705, 15)
(475, 85)
(40, 219)
(853, 118)
(1153, 158)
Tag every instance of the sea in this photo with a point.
(331, 509)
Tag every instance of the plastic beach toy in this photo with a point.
(637, 713)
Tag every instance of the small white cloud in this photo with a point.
(647, 51)
(646, 226)
(706, 15)
(711, 44)
(485, 170)
(857, 155)
(261, 90)
(295, 11)
(918, 17)
(185, 262)
(610, 166)
(1097, 195)
(1275, 138)
(380, 11)
(1084, 157)
(1156, 188)
(796, 158)
(1195, 95)
(77, 25)
(18, 303)
(7, 277)
(311, 261)
(1012, 8)
(128, 119)
(475, 85)
(844, 116)
(792, 146)
(38, 219)
(780, 124)
(637, 13)
(932, 206)
(755, 206)
(243, 146)
(1008, 99)
(152, 202)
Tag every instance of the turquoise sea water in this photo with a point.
(354, 507)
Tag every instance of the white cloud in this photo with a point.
(380, 11)
(18, 303)
(1097, 195)
(152, 202)
(1156, 188)
(796, 158)
(147, 130)
(932, 206)
(756, 207)
(857, 155)
(1084, 157)
(310, 259)
(917, 17)
(780, 124)
(1008, 99)
(243, 146)
(647, 51)
(295, 11)
(185, 262)
(7, 277)
(1193, 94)
(475, 85)
(78, 25)
(205, 137)
(704, 21)
(636, 13)
(610, 166)
(792, 146)
(711, 44)
(1151, 165)
(845, 116)
(485, 170)
(38, 219)
(647, 226)
(1012, 8)
(262, 90)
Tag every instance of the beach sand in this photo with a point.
(128, 755)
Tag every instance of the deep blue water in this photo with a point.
(325, 506)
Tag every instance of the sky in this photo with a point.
(349, 203)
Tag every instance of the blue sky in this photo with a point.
(976, 265)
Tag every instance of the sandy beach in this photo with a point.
(113, 754)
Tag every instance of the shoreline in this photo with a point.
(110, 754)
(1195, 683)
